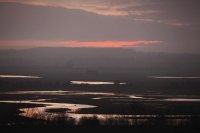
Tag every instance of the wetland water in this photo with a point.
(20, 76)
(76, 104)
(58, 102)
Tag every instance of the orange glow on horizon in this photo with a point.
(100, 44)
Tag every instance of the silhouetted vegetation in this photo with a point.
(89, 121)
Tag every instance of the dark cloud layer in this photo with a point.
(174, 22)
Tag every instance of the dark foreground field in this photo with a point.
(98, 129)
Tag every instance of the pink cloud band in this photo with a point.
(99, 44)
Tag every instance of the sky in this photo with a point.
(149, 25)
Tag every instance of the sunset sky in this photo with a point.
(150, 25)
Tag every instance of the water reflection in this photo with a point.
(181, 100)
(20, 76)
(121, 96)
(172, 77)
(110, 95)
(109, 119)
(60, 92)
(45, 109)
(50, 105)
(38, 92)
(94, 93)
(135, 97)
(96, 83)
